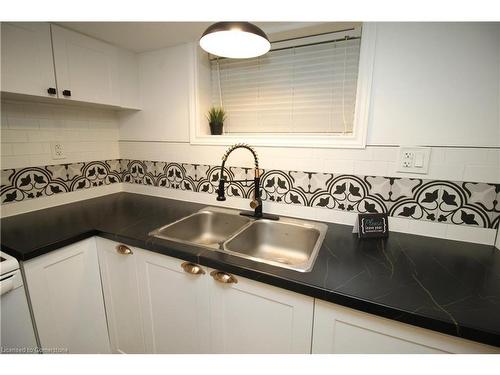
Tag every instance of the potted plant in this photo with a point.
(216, 117)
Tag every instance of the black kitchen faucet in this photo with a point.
(256, 203)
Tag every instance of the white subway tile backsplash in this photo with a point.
(430, 228)
(14, 109)
(470, 155)
(17, 161)
(450, 171)
(23, 123)
(75, 124)
(13, 136)
(38, 111)
(482, 173)
(59, 199)
(27, 149)
(471, 234)
(28, 129)
(338, 166)
(389, 154)
(371, 168)
(40, 136)
(6, 149)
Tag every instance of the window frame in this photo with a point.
(199, 103)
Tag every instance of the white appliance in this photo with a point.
(17, 334)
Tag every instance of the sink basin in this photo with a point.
(209, 227)
(287, 243)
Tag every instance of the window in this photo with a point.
(306, 92)
(306, 87)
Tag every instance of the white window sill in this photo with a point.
(283, 140)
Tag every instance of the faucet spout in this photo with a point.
(256, 203)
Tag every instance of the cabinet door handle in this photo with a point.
(222, 277)
(67, 92)
(192, 268)
(122, 249)
(52, 91)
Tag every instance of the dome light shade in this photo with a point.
(236, 40)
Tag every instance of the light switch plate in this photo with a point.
(414, 159)
(57, 150)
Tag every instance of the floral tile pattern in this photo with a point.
(452, 202)
(35, 182)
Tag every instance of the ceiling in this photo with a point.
(148, 36)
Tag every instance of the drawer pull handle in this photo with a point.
(124, 250)
(52, 91)
(222, 277)
(66, 92)
(192, 268)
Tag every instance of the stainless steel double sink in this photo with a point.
(287, 243)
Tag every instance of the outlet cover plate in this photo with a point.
(414, 159)
(57, 150)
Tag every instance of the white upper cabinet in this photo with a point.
(249, 317)
(66, 296)
(85, 68)
(36, 56)
(27, 63)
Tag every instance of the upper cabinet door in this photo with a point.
(86, 68)
(27, 63)
(248, 317)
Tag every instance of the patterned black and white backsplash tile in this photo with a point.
(452, 202)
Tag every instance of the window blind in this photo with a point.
(304, 89)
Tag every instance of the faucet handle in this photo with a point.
(254, 204)
(220, 190)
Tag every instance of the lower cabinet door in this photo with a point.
(65, 292)
(174, 302)
(121, 293)
(341, 330)
(251, 317)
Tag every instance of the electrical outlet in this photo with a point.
(414, 159)
(57, 149)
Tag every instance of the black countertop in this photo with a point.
(447, 286)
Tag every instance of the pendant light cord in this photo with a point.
(220, 89)
(343, 88)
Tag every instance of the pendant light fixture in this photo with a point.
(236, 40)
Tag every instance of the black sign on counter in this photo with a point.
(372, 225)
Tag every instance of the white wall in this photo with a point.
(27, 130)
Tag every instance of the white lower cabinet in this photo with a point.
(174, 304)
(341, 330)
(251, 317)
(182, 309)
(65, 292)
(153, 303)
(121, 294)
